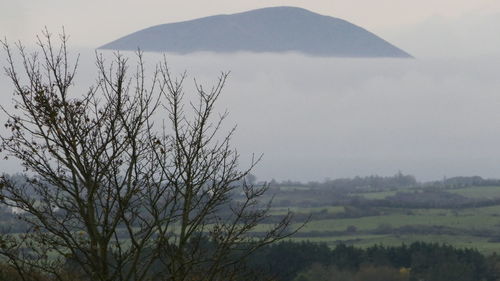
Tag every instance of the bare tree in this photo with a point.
(110, 195)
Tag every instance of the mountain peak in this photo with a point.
(274, 29)
(280, 9)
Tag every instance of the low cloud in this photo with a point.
(314, 118)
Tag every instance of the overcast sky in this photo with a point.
(92, 23)
(313, 118)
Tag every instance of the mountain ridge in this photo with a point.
(275, 30)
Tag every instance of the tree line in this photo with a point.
(307, 261)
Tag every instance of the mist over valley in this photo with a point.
(314, 118)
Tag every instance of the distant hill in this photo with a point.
(276, 30)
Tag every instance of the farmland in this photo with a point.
(465, 216)
(378, 211)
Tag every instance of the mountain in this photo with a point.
(276, 29)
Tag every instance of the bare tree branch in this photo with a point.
(109, 195)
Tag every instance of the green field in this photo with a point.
(364, 226)
(298, 210)
(479, 191)
(472, 192)
(477, 228)
(377, 195)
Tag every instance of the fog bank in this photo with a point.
(314, 118)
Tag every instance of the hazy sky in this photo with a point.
(313, 118)
(92, 23)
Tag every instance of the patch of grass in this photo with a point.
(376, 195)
(478, 191)
(293, 188)
(308, 210)
(397, 220)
